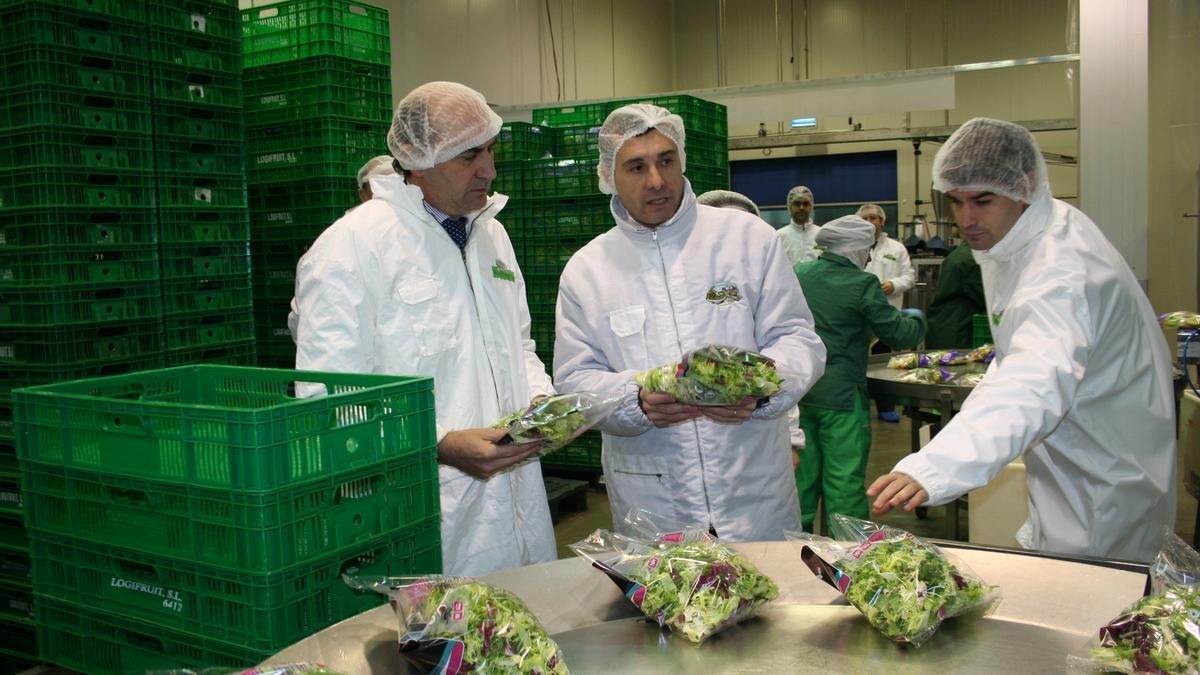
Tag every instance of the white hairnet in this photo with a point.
(866, 209)
(632, 120)
(798, 192)
(728, 199)
(990, 155)
(846, 235)
(376, 166)
(438, 121)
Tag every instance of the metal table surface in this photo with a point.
(1049, 608)
(884, 382)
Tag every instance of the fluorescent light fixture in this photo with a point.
(803, 122)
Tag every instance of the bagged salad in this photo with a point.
(928, 375)
(908, 361)
(682, 578)
(1180, 320)
(460, 625)
(557, 420)
(714, 375)
(1159, 633)
(905, 587)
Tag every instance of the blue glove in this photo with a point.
(912, 311)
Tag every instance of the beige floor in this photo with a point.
(890, 443)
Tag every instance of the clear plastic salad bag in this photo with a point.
(459, 625)
(715, 375)
(558, 419)
(905, 587)
(908, 361)
(289, 669)
(928, 376)
(1180, 320)
(1159, 633)
(683, 578)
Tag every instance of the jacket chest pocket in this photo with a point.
(628, 325)
(430, 318)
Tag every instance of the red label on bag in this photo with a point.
(652, 563)
(457, 612)
(673, 537)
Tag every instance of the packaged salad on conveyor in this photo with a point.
(558, 420)
(684, 579)
(928, 375)
(714, 375)
(460, 625)
(1159, 633)
(908, 361)
(1180, 320)
(905, 587)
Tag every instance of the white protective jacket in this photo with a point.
(890, 262)
(634, 298)
(385, 290)
(1081, 385)
(800, 241)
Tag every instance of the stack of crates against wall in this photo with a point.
(203, 515)
(196, 68)
(79, 273)
(318, 99)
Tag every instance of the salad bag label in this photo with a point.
(452, 625)
(1159, 633)
(558, 420)
(905, 587)
(715, 375)
(682, 578)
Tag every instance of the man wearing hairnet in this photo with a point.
(1081, 383)
(671, 276)
(376, 166)
(889, 262)
(422, 280)
(848, 307)
(799, 236)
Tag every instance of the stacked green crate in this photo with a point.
(203, 515)
(78, 259)
(564, 209)
(318, 105)
(204, 230)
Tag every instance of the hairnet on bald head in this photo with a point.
(438, 121)
(728, 199)
(632, 120)
(868, 209)
(798, 192)
(988, 155)
(376, 166)
(846, 236)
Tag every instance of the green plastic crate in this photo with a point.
(191, 261)
(704, 179)
(321, 147)
(57, 66)
(584, 452)
(58, 24)
(14, 376)
(225, 427)
(205, 329)
(321, 86)
(88, 640)
(254, 533)
(239, 353)
(75, 187)
(22, 266)
(509, 180)
(182, 189)
(208, 294)
(105, 9)
(63, 305)
(699, 115)
(194, 50)
(199, 123)
(559, 177)
(196, 227)
(81, 343)
(522, 140)
(14, 538)
(707, 151)
(294, 209)
(587, 114)
(981, 332)
(195, 19)
(299, 29)
(69, 146)
(198, 155)
(196, 86)
(12, 501)
(587, 216)
(542, 292)
(259, 611)
(18, 644)
(76, 107)
(103, 228)
(575, 141)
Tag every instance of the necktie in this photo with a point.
(457, 229)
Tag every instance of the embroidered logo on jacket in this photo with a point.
(889, 256)
(501, 271)
(723, 293)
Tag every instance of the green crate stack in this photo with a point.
(79, 274)
(981, 331)
(204, 515)
(195, 53)
(318, 100)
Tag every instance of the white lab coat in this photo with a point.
(385, 290)
(1081, 384)
(634, 298)
(800, 241)
(890, 262)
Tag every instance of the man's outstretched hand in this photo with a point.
(895, 489)
(474, 451)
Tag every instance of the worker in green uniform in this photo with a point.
(848, 307)
(959, 297)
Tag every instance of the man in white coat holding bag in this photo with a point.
(422, 280)
(1081, 383)
(672, 276)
